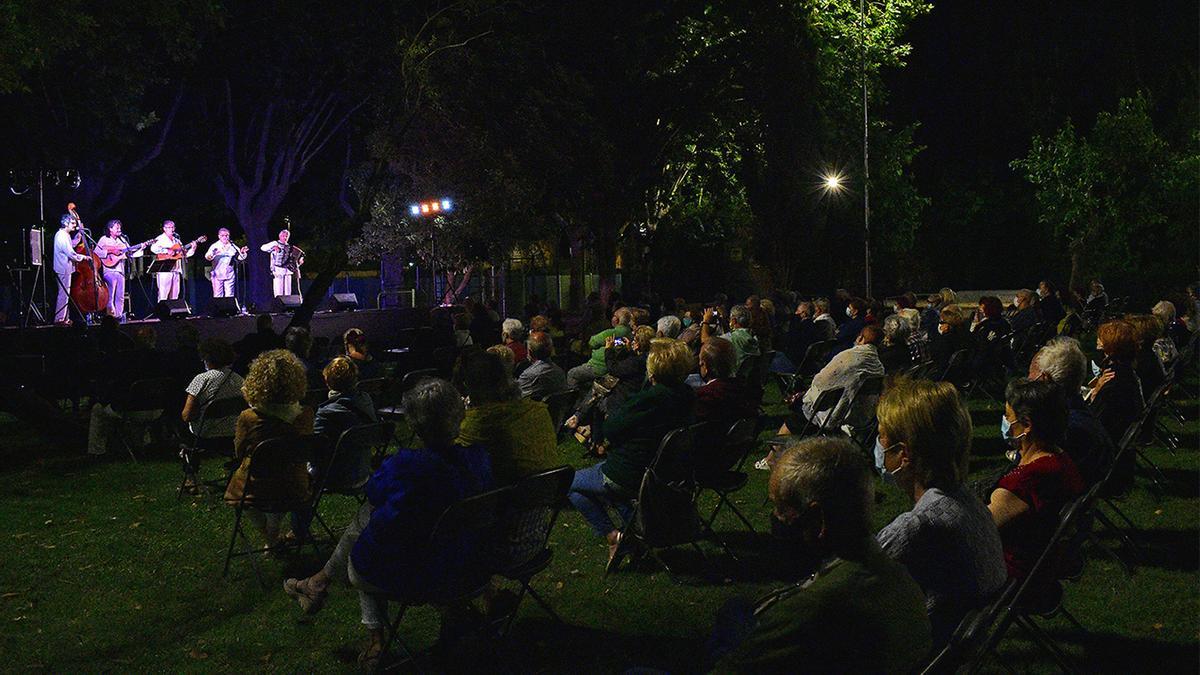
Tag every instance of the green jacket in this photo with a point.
(638, 426)
(853, 616)
(518, 434)
(597, 342)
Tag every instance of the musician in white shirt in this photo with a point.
(112, 251)
(65, 257)
(168, 281)
(222, 254)
(281, 272)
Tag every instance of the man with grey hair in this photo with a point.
(512, 335)
(826, 327)
(543, 377)
(596, 367)
(744, 342)
(894, 353)
(1026, 315)
(857, 610)
(384, 552)
(1062, 361)
(669, 326)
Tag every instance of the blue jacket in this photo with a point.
(409, 492)
(335, 416)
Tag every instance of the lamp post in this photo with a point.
(862, 11)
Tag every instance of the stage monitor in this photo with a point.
(288, 303)
(341, 302)
(172, 309)
(224, 307)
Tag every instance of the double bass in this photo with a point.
(89, 291)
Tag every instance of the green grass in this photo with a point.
(104, 570)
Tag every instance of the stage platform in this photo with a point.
(384, 329)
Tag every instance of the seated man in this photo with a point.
(848, 370)
(622, 327)
(543, 377)
(858, 612)
(1026, 315)
(744, 342)
(722, 397)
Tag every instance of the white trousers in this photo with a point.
(282, 282)
(168, 285)
(223, 288)
(105, 425)
(116, 292)
(64, 289)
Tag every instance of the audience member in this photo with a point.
(1097, 299)
(894, 352)
(1025, 317)
(263, 338)
(918, 341)
(298, 340)
(848, 332)
(847, 371)
(385, 552)
(825, 326)
(952, 336)
(1062, 361)
(1049, 305)
(105, 421)
(622, 327)
(512, 335)
(542, 377)
(506, 357)
(635, 431)
(1147, 330)
(218, 381)
(931, 318)
(273, 389)
(1116, 395)
(669, 326)
(1027, 501)
(745, 343)
(347, 407)
(722, 398)
(948, 541)
(517, 432)
(1175, 335)
(858, 612)
(462, 330)
(357, 350)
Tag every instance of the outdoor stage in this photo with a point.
(383, 328)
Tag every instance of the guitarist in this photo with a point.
(222, 254)
(114, 248)
(169, 245)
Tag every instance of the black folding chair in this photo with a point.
(869, 391)
(527, 501)
(970, 635)
(145, 398)
(373, 386)
(478, 517)
(359, 446)
(560, 404)
(956, 369)
(269, 461)
(389, 405)
(720, 471)
(810, 365)
(190, 453)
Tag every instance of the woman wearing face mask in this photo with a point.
(948, 541)
(1026, 501)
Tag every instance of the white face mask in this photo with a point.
(848, 313)
(1016, 302)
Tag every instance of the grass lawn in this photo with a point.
(105, 570)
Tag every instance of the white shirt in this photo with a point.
(107, 242)
(204, 387)
(222, 254)
(164, 242)
(64, 251)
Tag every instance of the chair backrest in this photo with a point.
(559, 404)
(729, 450)
(373, 386)
(956, 367)
(541, 490)
(824, 405)
(219, 409)
(814, 357)
(666, 513)
(146, 395)
(412, 377)
(274, 458)
(675, 460)
(315, 397)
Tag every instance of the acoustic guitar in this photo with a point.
(176, 250)
(116, 255)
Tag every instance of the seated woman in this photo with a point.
(385, 550)
(894, 352)
(722, 398)
(951, 336)
(635, 430)
(273, 389)
(357, 349)
(948, 541)
(346, 407)
(516, 431)
(1116, 397)
(1027, 500)
(625, 361)
(217, 382)
(1147, 329)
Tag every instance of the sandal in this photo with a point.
(368, 658)
(615, 553)
(310, 601)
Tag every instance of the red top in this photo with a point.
(1046, 484)
(518, 350)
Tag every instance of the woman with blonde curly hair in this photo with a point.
(273, 389)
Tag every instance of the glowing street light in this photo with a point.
(833, 183)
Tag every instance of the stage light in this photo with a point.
(415, 210)
(424, 208)
(445, 204)
(435, 206)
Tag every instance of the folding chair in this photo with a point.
(347, 468)
(720, 472)
(755, 371)
(389, 403)
(827, 401)
(140, 407)
(373, 386)
(810, 365)
(664, 513)
(269, 460)
(189, 454)
(956, 369)
(475, 518)
(1046, 572)
(969, 636)
(527, 499)
(560, 405)
(871, 388)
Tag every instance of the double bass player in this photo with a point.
(65, 257)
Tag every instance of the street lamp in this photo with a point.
(834, 182)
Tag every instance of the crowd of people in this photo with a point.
(869, 601)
